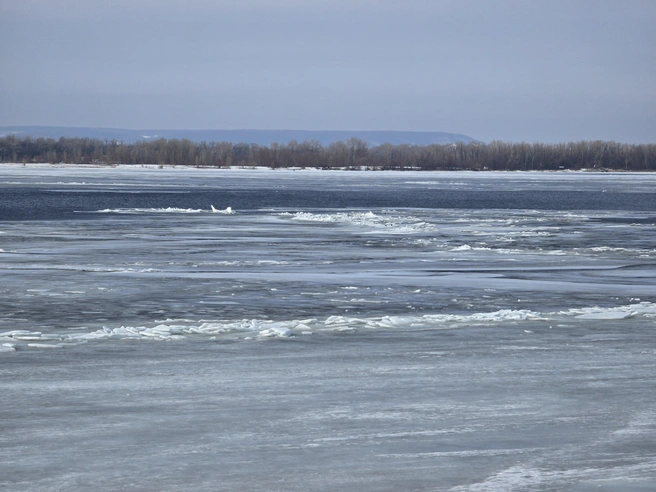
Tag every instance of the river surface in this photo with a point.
(186, 329)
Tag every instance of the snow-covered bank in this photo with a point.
(350, 169)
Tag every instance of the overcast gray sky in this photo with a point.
(512, 70)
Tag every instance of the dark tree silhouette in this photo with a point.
(352, 154)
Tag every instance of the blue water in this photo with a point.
(347, 191)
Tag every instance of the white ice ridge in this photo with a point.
(227, 211)
(179, 329)
(168, 210)
(393, 224)
(527, 477)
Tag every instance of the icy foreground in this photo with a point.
(460, 410)
(181, 329)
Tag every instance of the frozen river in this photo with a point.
(185, 329)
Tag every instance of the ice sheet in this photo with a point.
(341, 331)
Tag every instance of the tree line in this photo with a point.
(351, 154)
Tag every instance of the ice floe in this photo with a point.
(227, 211)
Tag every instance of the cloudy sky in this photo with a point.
(533, 70)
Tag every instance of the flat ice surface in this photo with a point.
(184, 329)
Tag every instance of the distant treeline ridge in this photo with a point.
(351, 154)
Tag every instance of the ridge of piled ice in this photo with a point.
(180, 329)
(393, 224)
(169, 210)
(226, 211)
(527, 477)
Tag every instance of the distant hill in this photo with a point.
(260, 137)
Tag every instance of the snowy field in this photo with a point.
(185, 329)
